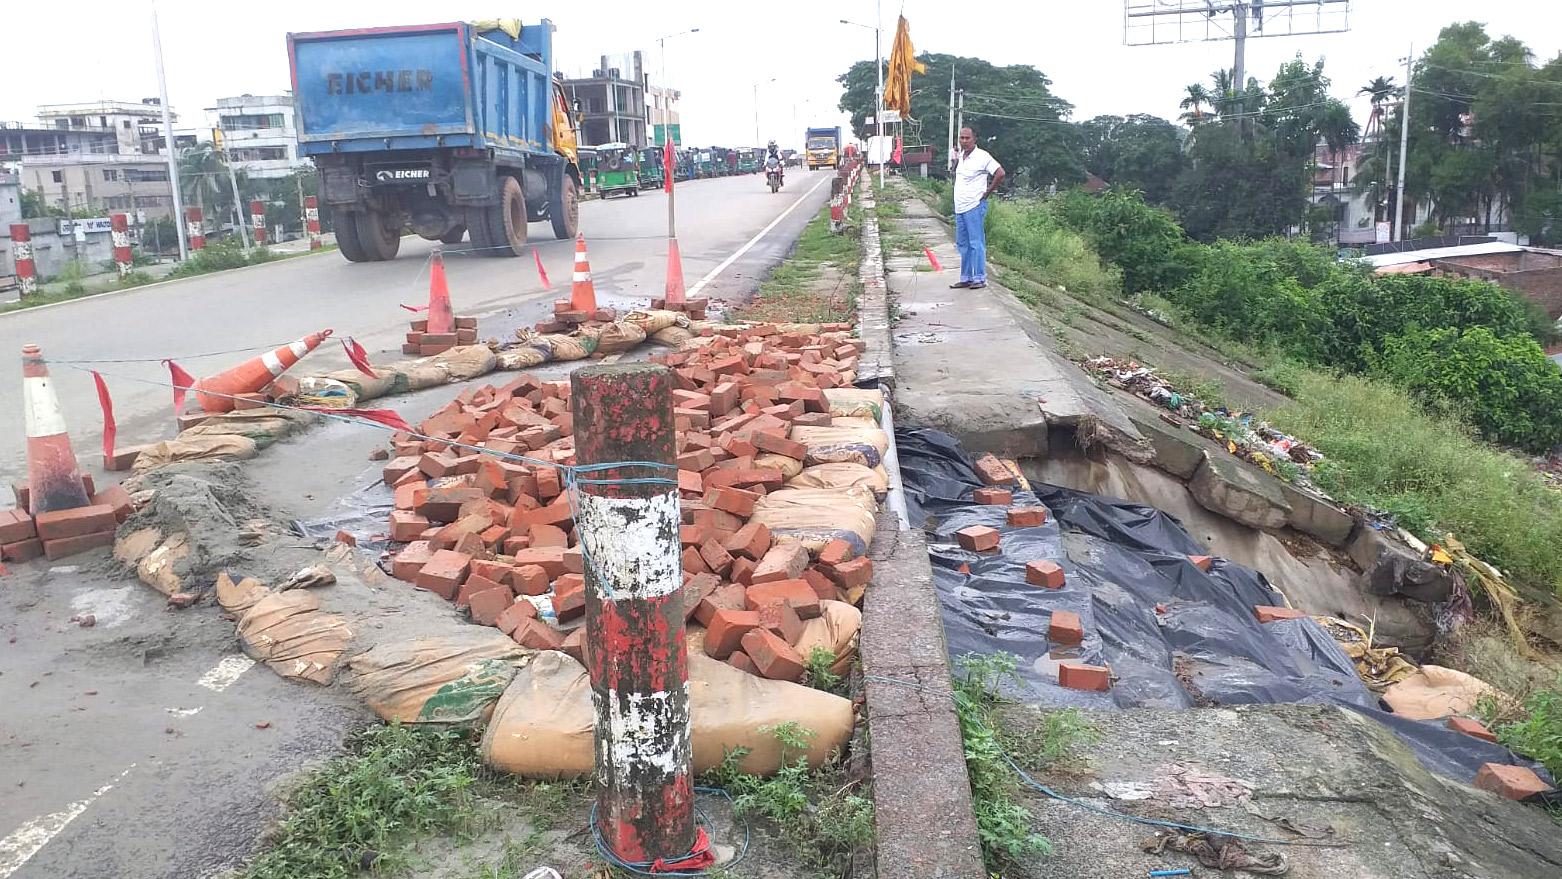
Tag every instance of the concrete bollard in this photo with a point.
(312, 221)
(194, 230)
(119, 232)
(22, 253)
(634, 612)
(257, 220)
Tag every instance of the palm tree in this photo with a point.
(1197, 97)
(204, 180)
(1379, 90)
(1223, 95)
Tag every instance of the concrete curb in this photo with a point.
(924, 821)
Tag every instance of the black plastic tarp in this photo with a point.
(1174, 636)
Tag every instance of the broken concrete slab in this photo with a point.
(1390, 567)
(1223, 485)
(1316, 516)
(1175, 449)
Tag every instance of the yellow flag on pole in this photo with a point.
(902, 63)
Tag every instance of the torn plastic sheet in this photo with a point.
(364, 514)
(1174, 636)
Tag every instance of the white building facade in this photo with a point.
(260, 134)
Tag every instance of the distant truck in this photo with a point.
(823, 146)
(449, 128)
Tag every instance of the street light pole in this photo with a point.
(878, 66)
(667, 131)
(168, 139)
(757, 84)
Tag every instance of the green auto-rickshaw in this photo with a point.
(586, 160)
(748, 161)
(651, 161)
(618, 169)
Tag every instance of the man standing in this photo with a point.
(977, 174)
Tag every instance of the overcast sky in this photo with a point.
(92, 49)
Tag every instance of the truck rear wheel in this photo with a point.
(565, 210)
(346, 225)
(379, 241)
(500, 230)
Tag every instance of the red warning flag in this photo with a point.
(932, 260)
(182, 381)
(358, 356)
(387, 417)
(541, 272)
(415, 308)
(110, 429)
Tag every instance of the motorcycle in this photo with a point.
(773, 177)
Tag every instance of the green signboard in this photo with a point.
(661, 137)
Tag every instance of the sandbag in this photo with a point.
(1433, 692)
(421, 375)
(210, 447)
(815, 516)
(565, 347)
(317, 390)
(619, 337)
(673, 336)
(834, 629)
(452, 679)
(655, 320)
(236, 598)
(862, 443)
(264, 426)
(855, 402)
(289, 632)
(385, 382)
(842, 475)
(467, 361)
(524, 357)
(789, 467)
(542, 726)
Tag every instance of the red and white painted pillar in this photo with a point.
(22, 253)
(195, 229)
(312, 221)
(119, 233)
(837, 203)
(634, 611)
(53, 476)
(257, 220)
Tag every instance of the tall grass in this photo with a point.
(1027, 238)
(1386, 451)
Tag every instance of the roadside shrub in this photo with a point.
(1139, 238)
(220, 256)
(1245, 293)
(1504, 385)
(1028, 237)
(1539, 734)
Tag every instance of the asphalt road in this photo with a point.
(132, 747)
(270, 305)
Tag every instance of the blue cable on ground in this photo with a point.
(641, 868)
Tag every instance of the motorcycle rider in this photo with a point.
(773, 161)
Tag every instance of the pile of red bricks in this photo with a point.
(693, 307)
(422, 343)
(567, 317)
(61, 533)
(497, 537)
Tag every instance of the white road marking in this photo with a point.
(224, 673)
(24, 842)
(185, 712)
(737, 254)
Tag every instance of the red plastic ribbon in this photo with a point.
(667, 160)
(932, 259)
(697, 859)
(110, 429)
(387, 417)
(182, 382)
(895, 157)
(415, 308)
(541, 272)
(358, 356)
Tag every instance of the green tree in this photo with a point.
(1137, 152)
(1196, 99)
(35, 205)
(204, 182)
(1237, 186)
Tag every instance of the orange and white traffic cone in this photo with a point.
(583, 293)
(441, 319)
(674, 292)
(53, 477)
(253, 374)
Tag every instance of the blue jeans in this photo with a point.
(971, 240)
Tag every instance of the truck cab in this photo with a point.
(450, 129)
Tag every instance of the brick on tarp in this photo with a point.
(1268, 614)
(1471, 727)
(978, 538)
(1512, 782)
(1026, 517)
(1202, 562)
(993, 471)
(1045, 574)
(1001, 497)
(1065, 627)
(773, 657)
(1079, 676)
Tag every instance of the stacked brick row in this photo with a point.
(61, 533)
(422, 343)
(694, 306)
(497, 537)
(567, 318)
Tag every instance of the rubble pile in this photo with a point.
(779, 471)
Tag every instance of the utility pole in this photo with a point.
(949, 146)
(168, 139)
(878, 50)
(238, 201)
(1404, 148)
(303, 215)
(1239, 63)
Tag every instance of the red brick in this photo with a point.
(693, 535)
(785, 561)
(812, 419)
(779, 445)
(1202, 562)
(1267, 614)
(693, 562)
(742, 570)
(723, 398)
(836, 552)
(1027, 517)
(406, 526)
(794, 592)
(443, 503)
(497, 571)
(21, 550)
(1065, 628)
(396, 468)
(715, 557)
(856, 572)
(60, 524)
(116, 497)
(729, 596)
(697, 460)
(726, 630)
(537, 635)
(740, 661)
(448, 536)
(406, 564)
(549, 558)
(123, 458)
(822, 585)
(61, 547)
(690, 481)
(782, 619)
(978, 538)
(410, 494)
(773, 658)
(1513, 782)
(1000, 497)
(1045, 574)
(694, 591)
(732, 500)
(992, 471)
(474, 584)
(488, 604)
(548, 484)
(569, 605)
(543, 535)
(552, 514)
(574, 560)
(15, 526)
(568, 582)
(1471, 727)
(529, 580)
(751, 541)
(1079, 676)
(444, 573)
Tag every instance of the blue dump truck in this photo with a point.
(444, 128)
(823, 146)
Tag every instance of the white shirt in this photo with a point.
(971, 178)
